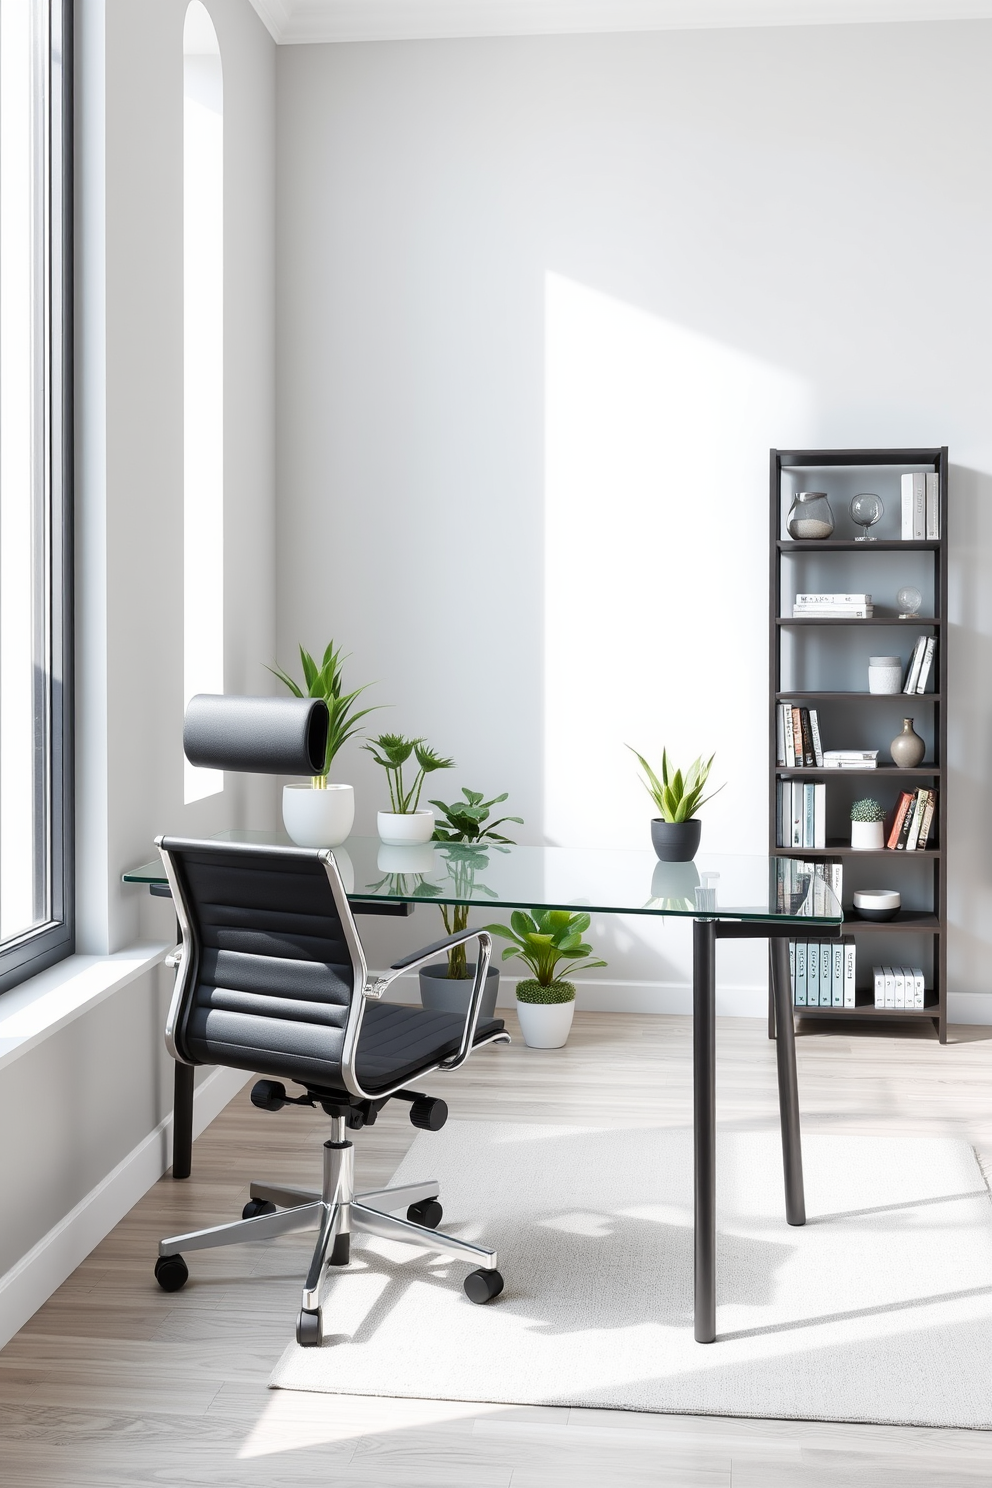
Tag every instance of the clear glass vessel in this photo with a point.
(810, 516)
(866, 510)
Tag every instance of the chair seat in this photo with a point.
(397, 1041)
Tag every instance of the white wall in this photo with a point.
(543, 306)
(88, 1099)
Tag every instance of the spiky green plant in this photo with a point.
(677, 796)
(543, 939)
(324, 681)
(392, 752)
(867, 810)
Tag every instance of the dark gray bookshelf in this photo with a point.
(821, 662)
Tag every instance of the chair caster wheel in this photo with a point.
(427, 1213)
(171, 1272)
(309, 1333)
(255, 1207)
(482, 1286)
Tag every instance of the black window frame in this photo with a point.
(25, 955)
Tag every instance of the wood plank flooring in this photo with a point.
(116, 1383)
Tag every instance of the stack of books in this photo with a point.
(920, 506)
(912, 822)
(920, 664)
(850, 759)
(849, 606)
(801, 814)
(898, 986)
(823, 974)
(798, 738)
(808, 888)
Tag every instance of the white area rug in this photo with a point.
(880, 1309)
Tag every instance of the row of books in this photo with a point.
(898, 986)
(801, 814)
(802, 888)
(920, 505)
(920, 664)
(912, 824)
(850, 606)
(823, 975)
(799, 744)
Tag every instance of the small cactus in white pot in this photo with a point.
(867, 830)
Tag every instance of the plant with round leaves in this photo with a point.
(677, 795)
(323, 680)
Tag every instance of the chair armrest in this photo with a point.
(431, 950)
(478, 985)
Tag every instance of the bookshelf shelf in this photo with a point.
(825, 658)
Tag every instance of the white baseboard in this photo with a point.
(624, 996)
(32, 1280)
(969, 1007)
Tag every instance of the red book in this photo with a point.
(904, 803)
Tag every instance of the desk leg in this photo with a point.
(788, 1085)
(182, 1122)
(704, 1125)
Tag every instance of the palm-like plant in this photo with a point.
(678, 797)
(392, 752)
(543, 940)
(324, 681)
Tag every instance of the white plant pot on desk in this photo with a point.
(405, 829)
(867, 836)
(318, 818)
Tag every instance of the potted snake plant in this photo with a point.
(543, 939)
(678, 795)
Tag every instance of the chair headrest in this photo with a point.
(264, 735)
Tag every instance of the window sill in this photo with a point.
(49, 1001)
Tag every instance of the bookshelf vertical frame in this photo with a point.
(844, 554)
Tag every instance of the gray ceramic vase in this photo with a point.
(443, 994)
(907, 749)
(676, 842)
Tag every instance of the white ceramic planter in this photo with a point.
(407, 830)
(318, 818)
(867, 836)
(545, 1025)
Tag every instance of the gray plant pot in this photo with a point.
(676, 842)
(443, 994)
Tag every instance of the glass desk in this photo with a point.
(725, 896)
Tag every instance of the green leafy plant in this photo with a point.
(392, 752)
(677, 796)
(543, 939)
(867, 810)
(324, 681)
(465, 823)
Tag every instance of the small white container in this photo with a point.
(867, 836)
(407, 829)
(545, 1025)
(877, 904)
(318, 818)
(884, 674)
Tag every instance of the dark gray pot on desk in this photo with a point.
(443, 994)
(676, 842)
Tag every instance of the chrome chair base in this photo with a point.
(337, 1212)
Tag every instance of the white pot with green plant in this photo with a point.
(543, 939)
(867, 829)
(405, 824)
(675, 830)
(321, 813)
(464, 826)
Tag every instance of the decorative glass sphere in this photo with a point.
(908, 602)
(866, 510)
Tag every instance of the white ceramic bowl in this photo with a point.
(877, 904)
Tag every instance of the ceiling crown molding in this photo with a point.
(296, 22)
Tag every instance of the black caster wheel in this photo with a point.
(171, 1272)
(309, 1333)
(427, 1213)
(255, 1207)
(482, 1286)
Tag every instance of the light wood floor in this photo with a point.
(116, 1383)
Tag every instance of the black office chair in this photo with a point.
(272, 978)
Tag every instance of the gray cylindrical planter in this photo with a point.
(443, 994)
(676, 842)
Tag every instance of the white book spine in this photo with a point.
(907, 507)
(837, 979)
(780, 758)
(926, 662)
(890, 986)
(933, 505)
(919, 806)
(915, 662)
(797, 813)
(826, 974)
(919, 505)
(878, 977)
(898, 987)
(850, 970)
(800, 973)
(833, 599)
(820, 814)
(790, 738)
(918, 977)
(814, 727)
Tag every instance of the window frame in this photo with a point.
(34, 950)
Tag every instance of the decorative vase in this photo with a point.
(676, 842)
(403, 829)
(867, 836)
(884, 674)
(907, 748)
(443, 994)
(810, 516)
(318, 818)
(545, 1025)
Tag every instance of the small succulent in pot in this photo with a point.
(678, 796)
(867, 831)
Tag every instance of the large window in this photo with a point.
(35, 473)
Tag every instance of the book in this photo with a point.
(878, 980)
(809, 806)
(898, 817)
(919, 987)
(927, 822)
(797, 736)
(780, 758)
(819, 815)
(915, 661)
(906, 491)
(933, 505)
(850, 612)
(919, 806)
(926, 663)
(914, 506)
(866, 755)
(812, 976)
(826, 974)
(792, 969)
(898, 987)
(789, 736)
(800, 973)
(889, 983)
(850, 969)
(833, 599)
(797, 813)
(907, 822)
(837, 978)
(814, 724)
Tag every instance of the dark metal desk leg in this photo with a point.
(788, 1085)
(182, 1122)
(704, 1124)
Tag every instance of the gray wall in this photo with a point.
(543, 305)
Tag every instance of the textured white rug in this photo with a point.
(880, 1309)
